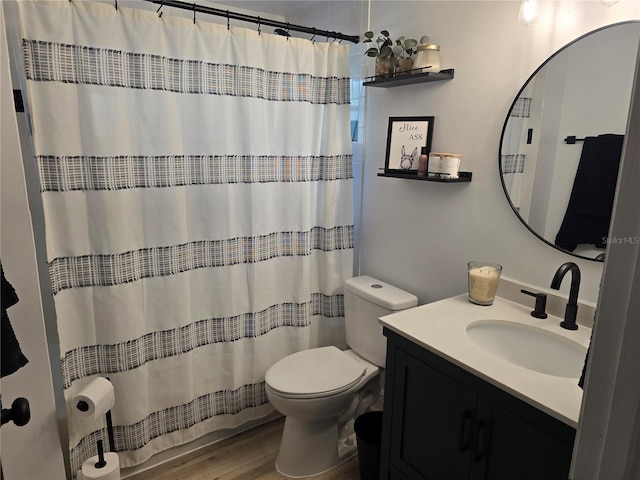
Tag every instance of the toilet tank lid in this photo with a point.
(380, 293)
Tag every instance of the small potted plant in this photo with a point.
(382, 51)
(404, 50)
(392, 56)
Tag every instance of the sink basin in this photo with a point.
(529, 347)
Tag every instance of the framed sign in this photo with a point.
(405, 139)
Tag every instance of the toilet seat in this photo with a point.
(314, 373)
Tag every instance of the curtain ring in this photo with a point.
(160, 8)
(288, 34)
(228, 20)
(259, 20)
(194, 13)
(116, 3)
(315, 32)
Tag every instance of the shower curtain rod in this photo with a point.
(229, 15)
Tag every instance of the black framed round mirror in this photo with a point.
(562, 140)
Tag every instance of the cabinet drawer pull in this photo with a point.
(482, 440)
(465, 431)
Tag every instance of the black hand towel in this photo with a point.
(588, 214)
(12, 356)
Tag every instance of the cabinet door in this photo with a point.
(433, 419)
(507, 447)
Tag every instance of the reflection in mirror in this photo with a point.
(560, 187)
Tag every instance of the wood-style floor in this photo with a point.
(250, 455)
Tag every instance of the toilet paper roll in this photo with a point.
(95, 399)
(111, 471)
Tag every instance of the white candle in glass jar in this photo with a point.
(483, 283)
(451, 165)
(428, 58)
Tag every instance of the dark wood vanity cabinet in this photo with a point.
(444, 423)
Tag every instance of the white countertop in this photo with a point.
(441, 328)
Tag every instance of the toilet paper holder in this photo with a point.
(101, 463)
(83, 406)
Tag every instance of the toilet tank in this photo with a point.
(365, 300)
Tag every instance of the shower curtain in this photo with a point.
(512, 154)
(197, 187)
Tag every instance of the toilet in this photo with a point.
(322, 390)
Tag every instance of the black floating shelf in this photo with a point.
(397, 80)
(463, 177)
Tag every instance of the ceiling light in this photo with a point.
(528, 11)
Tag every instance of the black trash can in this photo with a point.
(368, 428)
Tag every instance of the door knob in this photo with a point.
(19, 412)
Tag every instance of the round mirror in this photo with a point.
(562, 140)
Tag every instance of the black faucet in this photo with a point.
(571, 310)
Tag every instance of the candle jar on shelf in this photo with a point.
(428, 58)
(483, 281)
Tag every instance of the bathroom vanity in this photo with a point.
(456, 409)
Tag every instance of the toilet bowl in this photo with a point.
(322, 390)
(318, 391)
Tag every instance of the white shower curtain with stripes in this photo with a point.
(197, 187)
